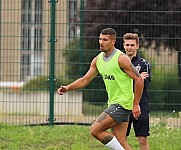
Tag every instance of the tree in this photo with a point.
(156, 20)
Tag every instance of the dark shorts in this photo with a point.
(140, 126)
(118, 113)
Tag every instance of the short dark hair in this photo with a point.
(108, 31)
(131, 36)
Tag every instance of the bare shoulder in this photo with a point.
(123, 56)
(126, 65)
(124, 60)
(94, 61)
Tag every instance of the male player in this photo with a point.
(118, 74)
(140, 125)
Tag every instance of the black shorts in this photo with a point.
(141, 126)
(118, 113)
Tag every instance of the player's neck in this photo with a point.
(110, 52)
(131, 56)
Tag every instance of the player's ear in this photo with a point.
(113, 41)
(138, 45)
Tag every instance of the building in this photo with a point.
(25, 27)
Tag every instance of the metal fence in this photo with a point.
(46, 43)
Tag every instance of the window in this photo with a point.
(38, 5)
(25, 66)
(26, 38)
(26, 5)
(38, 39)
(31, 38)
(26, 11)
(72, 20)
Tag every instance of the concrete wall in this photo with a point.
(37, 103)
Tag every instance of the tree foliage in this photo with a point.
(156, 20)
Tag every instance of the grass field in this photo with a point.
(74, 137)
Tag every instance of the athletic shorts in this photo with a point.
(118, 113)
(140, 126)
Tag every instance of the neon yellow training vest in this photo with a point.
(119, 85)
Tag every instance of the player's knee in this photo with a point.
(143, 140)
(93, 131)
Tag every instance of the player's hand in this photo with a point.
(144, 75)
(62, 89)
(136, 111)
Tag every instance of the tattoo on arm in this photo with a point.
(107, 139)
(135, 70)
(102, 117)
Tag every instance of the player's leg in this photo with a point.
(143, 142)
(129, 124)
(100, 126)
(98, 130)
(121, 116)
(141, 128)
(119, 131)
(104, 122)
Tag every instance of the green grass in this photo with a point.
(173, 114)
(74, 137)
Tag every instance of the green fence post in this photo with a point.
(52, 62)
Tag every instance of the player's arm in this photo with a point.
(83, 81)
(145, 72)
(128, 67)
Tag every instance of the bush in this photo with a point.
(42, 83)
